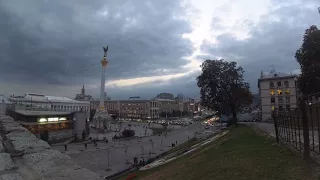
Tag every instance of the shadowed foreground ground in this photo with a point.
(241, 154)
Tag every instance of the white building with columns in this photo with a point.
(33, 101)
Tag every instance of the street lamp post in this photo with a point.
(142, 148)
(295, 86)
(108, 151)
(119, 110)
(126, 154)
(161, 145)
(152, 144)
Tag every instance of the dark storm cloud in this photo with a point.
(273, 41)
(60, 42)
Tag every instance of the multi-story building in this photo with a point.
(131, 109)
(166, 106)
(154, 109)
(32, 101)
(276, 91)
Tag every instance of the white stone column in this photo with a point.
(102, 89)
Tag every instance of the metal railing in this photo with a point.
(300, 127)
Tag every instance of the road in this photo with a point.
(96, 158)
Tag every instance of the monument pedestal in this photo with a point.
(102, 119)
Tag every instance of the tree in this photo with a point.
(222, 87)
(128, 133)
(308, 56)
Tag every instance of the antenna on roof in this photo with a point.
(272, 69)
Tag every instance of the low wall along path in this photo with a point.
(25, 157)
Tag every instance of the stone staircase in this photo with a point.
(25, 157)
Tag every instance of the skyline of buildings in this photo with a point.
(162, 105)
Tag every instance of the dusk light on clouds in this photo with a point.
(53, 47)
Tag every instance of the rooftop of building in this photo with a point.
(4, 99)
(41, 113)
(42, 98)
(64, 99)
(275, 75)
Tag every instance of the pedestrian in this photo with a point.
(188, 138)
(65, 147)
(135, 161)
(85, 145)
(176, 142)
(107, 141)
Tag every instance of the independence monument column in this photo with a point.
(102, 117)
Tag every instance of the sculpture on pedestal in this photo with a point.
(102, 118)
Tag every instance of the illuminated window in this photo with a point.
(279, 92)
(272, 92)
(42, 120)
(62, 119)
(287, 92)
(272, 108)
(53, 119)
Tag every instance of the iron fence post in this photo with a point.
(306, 145)
(275, 125)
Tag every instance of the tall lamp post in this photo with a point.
(295, 86)
(108, 167)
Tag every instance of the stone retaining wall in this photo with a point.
(25, 157)
(58, 135)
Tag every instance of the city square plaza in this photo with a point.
(109, 158)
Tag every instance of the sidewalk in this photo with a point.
(291, 134)
(265, 127)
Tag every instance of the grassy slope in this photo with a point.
(241, 154)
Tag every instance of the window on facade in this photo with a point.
(287, 99)
(279, 83)
(272, 92)
(286, 83)
(280, 108)
(271, 84)
(273, 100)
(287, 92)
(288, 107)
(279, 92)
(280, 100)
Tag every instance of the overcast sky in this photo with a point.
(53, 47)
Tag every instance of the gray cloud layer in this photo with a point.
(273, 41)
(60, 42)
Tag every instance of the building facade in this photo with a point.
(277, 91)
(148, 109)
(130, 109)
(32, 101)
